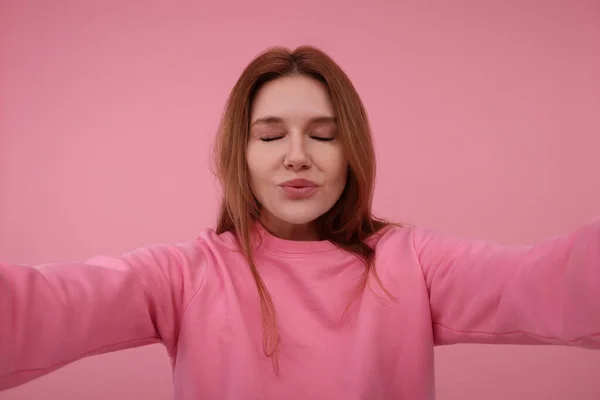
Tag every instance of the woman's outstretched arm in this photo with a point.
(54, 314)
(483, 292)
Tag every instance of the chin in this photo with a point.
(298, 218)
(299, 215)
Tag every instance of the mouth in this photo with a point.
(299, 183)
(299, 188)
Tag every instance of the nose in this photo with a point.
(297, 157)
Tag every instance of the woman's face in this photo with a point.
(295, 158)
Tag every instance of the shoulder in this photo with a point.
(414, 237)
(189, 256)
(411, 241)
(197, 262)
(394, 246)
(210, 241)
(394, 236)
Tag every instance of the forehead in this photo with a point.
(297, 97)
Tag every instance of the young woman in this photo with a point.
(300, 293)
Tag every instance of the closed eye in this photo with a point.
(319, 138)
(270, 139)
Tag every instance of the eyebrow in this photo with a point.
(277, 120)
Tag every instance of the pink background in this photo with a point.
(486, 118)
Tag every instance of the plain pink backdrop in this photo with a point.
(486, 117)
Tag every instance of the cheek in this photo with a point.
(253, 174)
(263, 158)
(260, 170)
(256, 163)
(337, 166)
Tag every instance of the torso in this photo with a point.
(383, 349)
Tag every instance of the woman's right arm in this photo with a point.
(54, 314)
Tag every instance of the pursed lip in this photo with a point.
(299, 183)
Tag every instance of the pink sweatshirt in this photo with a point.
(200, 301)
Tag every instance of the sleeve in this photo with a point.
(54, 314)
(484, 292)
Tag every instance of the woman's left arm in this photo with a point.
(483, 292)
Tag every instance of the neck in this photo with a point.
(289, 231)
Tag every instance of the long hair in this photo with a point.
(349, 222)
